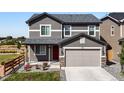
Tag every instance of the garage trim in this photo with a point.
(100, 48)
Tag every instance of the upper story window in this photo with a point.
(92, 30)
(45, 30)
(67, 30)
(112, 30)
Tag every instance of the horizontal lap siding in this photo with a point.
(54, 24)
(36, 34)
(88, 43)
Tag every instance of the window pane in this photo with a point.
(37, 49)
(47, 30)
(67, 30)
(43, 49)
(91, 30)
(42, 30)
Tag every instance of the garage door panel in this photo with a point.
(82, 57)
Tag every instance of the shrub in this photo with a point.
(121, 55)
(2, 63)
(18, 45)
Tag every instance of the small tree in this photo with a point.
(9, 37)
(18, 45)
(122, 58)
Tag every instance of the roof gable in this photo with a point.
(37, 16)
(116, 17)
(75, 37)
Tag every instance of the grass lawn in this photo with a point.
(35, 76)
(6, 58)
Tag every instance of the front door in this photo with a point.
(55, 53)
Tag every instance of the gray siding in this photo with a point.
(98, 35)
(36, 34)
(76, 27)
(88, 43)
(75, 33)
(54, 24)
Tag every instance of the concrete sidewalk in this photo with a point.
(88, 74)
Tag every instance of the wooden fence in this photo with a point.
(11, 65)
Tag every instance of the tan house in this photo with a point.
(112, 29)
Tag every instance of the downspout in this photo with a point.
(121, 30)
(49, 53)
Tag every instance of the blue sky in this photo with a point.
(13, 23)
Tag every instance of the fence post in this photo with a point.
(2, 70)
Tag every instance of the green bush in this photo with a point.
(121, 55)
(18, 45)
(2, 63)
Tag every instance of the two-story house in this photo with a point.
(112, 29)
(72, 39)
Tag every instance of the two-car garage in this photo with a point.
(82, 57)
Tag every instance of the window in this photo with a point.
(92, 30)
(67, 30)
(45, 30)
(40, 50)
(112, 31)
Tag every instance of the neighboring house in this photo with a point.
(112, 29)
(72, 39)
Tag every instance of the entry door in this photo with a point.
(55, 53)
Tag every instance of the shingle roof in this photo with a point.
(43, 40)
(117, 15)
(69, 18)
(76, 17)
(59, 41)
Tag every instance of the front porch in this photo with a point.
(42, 53)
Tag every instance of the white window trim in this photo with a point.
(94, 30)
(112, 30)
(70, 31)
(40, 49)
(45, 25)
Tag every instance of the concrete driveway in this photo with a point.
(87, 74)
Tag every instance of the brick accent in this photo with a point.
(62, 61)
(103, 61)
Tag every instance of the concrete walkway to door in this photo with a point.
(87, 74)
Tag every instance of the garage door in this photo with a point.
(76, 57)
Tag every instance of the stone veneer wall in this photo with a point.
(62, 61)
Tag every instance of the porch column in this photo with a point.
(49, 52)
